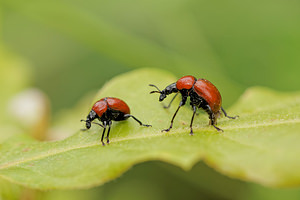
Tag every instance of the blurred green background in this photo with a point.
(69, 48)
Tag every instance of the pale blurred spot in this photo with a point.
(30, 108)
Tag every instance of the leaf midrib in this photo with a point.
(89, 145)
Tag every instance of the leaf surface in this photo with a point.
(261, 146)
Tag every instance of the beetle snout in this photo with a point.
(162, 97)
(88, 124)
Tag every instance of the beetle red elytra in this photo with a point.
(106, 110)
(203, 94)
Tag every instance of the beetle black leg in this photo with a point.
(227, 115)
(191, 126)
(212, 118)
(128, 115)
(104, 124)
(171, 101)
(181, 104)
(107, 136)
(213, 122)
(218, 129)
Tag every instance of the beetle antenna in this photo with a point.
(158, 90)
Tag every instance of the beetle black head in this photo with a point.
(163, 93)
(87, 123)
(91, 116)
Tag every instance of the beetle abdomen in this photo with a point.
(117, 105)
(209, 93)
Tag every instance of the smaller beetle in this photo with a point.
(106, 110)
(203, 94)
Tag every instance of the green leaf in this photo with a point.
(9, 190)
(261, 146)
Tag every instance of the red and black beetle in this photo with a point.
(106, 110)
(203, 94)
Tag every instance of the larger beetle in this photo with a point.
(203, 94)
